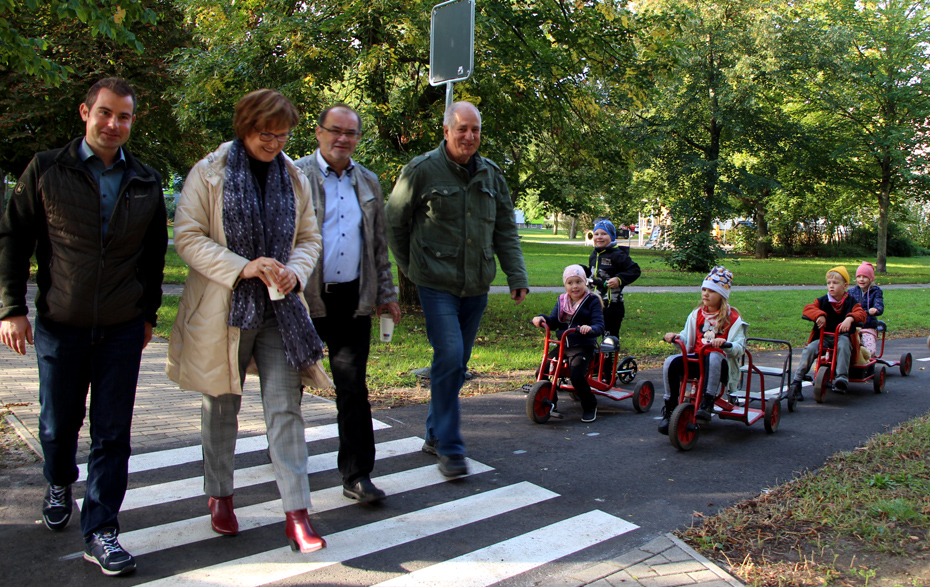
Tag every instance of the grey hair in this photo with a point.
(449, 117)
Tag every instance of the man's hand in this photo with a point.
(393, 308)
(518, 295)
(846, 324)
(15, 332)
(147, 337)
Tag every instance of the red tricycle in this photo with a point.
(825, 365)
(683, 427)
(552, 377)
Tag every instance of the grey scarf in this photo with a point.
(248, 236)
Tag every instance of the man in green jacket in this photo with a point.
(449, 214)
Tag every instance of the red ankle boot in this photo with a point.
(300, 533)
(222, 517)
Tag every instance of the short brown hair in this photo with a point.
(262, 110)
(117, 85)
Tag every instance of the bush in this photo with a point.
(899, 242)
(692, 251)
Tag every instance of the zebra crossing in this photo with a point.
(423, 506)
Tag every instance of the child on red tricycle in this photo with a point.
(580, 310)
(711, 324)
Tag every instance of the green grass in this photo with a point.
(872, 502)
(507, 341)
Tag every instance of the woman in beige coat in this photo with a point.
(245, 226)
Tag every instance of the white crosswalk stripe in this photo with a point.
(521, 547)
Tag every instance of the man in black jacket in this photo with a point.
(95, 218)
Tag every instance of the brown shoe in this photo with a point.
(222, 517)
(300, 533)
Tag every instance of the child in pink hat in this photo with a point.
(871, 299)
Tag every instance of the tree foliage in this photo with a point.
(25, 49)
(37, 115)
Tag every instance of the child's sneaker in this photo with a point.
(840, 385)
(589, 415)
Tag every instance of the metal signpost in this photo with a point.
(451, 44)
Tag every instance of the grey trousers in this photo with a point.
(284, 425)
(843, 352)
(673, 370)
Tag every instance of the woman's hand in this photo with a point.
(537, 321)
(272, 272)
(669, 336)
(718, 342)
(584, 329)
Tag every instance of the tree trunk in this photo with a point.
(555, 223)
(573, 230)
(763, 247)
(406, 291)
(884, 205)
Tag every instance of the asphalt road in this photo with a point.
(618, 468)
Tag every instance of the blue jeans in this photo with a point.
(451, 325)
(107, 361)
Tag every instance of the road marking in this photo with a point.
(280, 564)
(191, 454)
(924, 359)
(509, 558)
(192, 530)
(193, 486)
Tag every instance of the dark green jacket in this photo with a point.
(445, 227)
(84, 280)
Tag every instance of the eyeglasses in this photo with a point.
(338, 132)
(266, 137)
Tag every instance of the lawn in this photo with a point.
(507, 341)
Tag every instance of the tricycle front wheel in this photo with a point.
(539, 404)
(682, 428)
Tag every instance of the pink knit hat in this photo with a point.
(867, 270)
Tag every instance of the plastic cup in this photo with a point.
(274, 294)
(387, 327)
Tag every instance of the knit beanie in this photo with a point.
(867, 270)
(574, 271)
(607, 226)
(719, 280)
(842, 271)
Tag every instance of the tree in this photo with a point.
(37, 115)
(870, 77)
(536, 66)
(26, 50)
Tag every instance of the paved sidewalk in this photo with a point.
(166, 417)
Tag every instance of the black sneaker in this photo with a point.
(840, 385)
(589, 415)
(56, 507)
(707, 408)
(667, 410)
(429, 447)
(795, 391)
(103, 549)
(363, 491)
(453, 465)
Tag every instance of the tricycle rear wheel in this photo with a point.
(878, 380)
(626, 370)
(906, 362)
(643, 395)
(772, 416)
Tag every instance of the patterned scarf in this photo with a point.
(567, 308)
(247, 236)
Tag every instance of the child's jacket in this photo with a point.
(873, 298)
(589, 312)
(823, 307)
(613, 261)
(736, 336)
